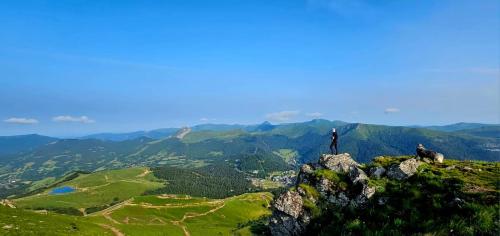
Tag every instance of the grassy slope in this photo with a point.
(148, 215)
(21, 222)
(95, 189)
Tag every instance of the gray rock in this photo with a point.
(450, 167)
(289, 203)
(282, 224)
(357, 175)
(304, 174)
(339, 163)
(361, 200)
(324, 187)
(341, 200)
(377, 172)
(404, 170)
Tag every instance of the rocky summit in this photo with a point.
(337, 195)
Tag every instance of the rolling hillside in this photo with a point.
(113, 203)
(255, 150)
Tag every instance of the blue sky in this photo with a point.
(81, 66)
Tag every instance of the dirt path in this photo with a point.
(113, 229)
(147, 171)
(176, 205)
(188, 215)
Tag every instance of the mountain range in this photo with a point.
(257, 150)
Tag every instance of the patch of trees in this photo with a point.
(214, 181)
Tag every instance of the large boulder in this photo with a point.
(339, 163)
(289, 203)
(287, 215)
(404, 169)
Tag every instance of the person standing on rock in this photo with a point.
(335, 138)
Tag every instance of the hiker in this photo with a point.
(335, 138)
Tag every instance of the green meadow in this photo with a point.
(94, 190)
(112, 203)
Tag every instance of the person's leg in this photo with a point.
(336, 149)
(331, 148)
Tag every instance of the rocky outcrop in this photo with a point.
(289, 203)
(336, 181)
(339, 163)
(288, 215)
(404, 169)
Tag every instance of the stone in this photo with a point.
(377, 172)
(339, 163)
(324, 187)
(404, 169)
(357, 175)
(282, 224)
(289, 203)
(341, 200)
(305, 172)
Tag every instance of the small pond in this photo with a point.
(62, 190)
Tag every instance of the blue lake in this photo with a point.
(62, 190)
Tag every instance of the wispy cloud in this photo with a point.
(81, 119)
(282, 116)
(391, 110)
(345, 8)
(21, 121)
(314, 114)
(204, 119)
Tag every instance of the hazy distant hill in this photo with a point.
(459, 126)
(155, 134)
(492, 131)
(22, 143)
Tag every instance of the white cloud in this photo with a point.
(391, 110)
(21, 121)
(204, 119)
(314, 114)
(81, 119)
(282, 116)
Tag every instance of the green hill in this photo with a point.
(255, 150)
(22, 143)
(112, 203)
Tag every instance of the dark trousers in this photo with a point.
(332, 145)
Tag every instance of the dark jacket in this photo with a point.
(335, 137)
